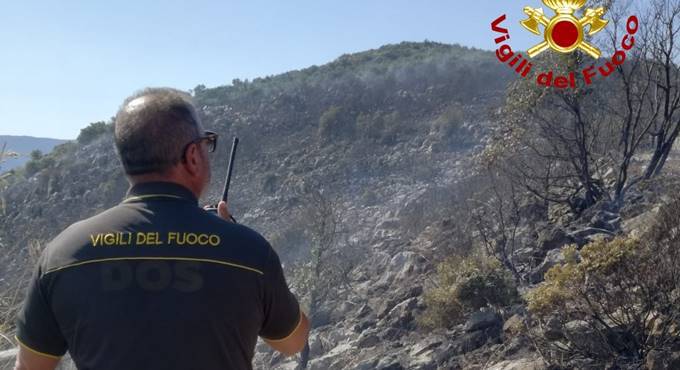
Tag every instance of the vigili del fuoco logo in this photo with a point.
(563, 33)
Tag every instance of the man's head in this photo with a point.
(159, 137)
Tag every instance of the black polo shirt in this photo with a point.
(156, 282)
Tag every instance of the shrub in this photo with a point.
(65, 149)
(382, 127)
(37, 163)
(465, 285)
(624, 294)
(336, 123)
(93, 131)
(447, 126)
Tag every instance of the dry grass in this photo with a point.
(13, 289)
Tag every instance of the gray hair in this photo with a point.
(152, 127)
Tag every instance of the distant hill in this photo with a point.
(24, 145)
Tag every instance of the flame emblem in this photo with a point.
(564, 32)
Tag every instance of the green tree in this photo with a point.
(36, 155)
(38, 162)
(93, 131)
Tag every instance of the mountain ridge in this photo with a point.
(23, 145)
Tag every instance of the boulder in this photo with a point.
(471, 341)
(401, 316)
(481, 320)
(553, 330)
(315, 346)
(367, 341)
(579, 331)
(405, 265)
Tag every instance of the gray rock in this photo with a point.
(552, 258)
(424, 361)
(589, 234)
(321, 317)
(640, 222)
(367, 365)
(480, 320)
(520, 364)
(315, 346)
(398, 296)
(473, 340)
(405, 265)
(579, 331)
(364, 311)
(392, 334)
(364, 325)
(606, 220)
(514, 346)
(661, 360)
(367, 341)
(389, 363)
(553, 330)
(552, 238)
(425, 346)
(401, 316)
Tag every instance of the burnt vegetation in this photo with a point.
(563, 219)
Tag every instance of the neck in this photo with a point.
(170, 177)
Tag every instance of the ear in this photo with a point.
(193, 160)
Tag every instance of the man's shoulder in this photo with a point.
(77, 235)
(80, 230)
(241, 241)
(228, 241)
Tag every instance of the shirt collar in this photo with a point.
(159, 190)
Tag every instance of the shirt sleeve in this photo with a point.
(37, 328)
(281, 309)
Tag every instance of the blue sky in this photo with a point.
(67, 63)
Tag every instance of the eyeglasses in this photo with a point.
(209, 136)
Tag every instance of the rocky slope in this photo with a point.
(389, 132)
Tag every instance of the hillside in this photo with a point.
(379, 178)
(384, 133)
(363, 119)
